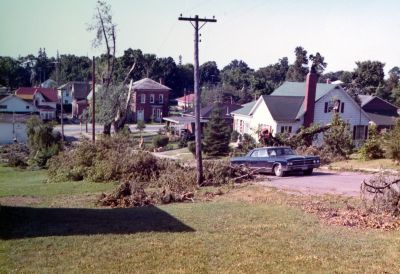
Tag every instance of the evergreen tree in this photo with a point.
(338, 137)
(217, 135)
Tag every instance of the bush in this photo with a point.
(217, 173)
(43, 142)
(338, 138)
(248, 143)
(192, 147)
(392, 142)
(160, 141)
(234, 136)
(15, 155)
(372, 147)
(325, 154)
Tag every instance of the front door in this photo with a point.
(140, 115)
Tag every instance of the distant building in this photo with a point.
(13, 127)
(186, 101)
(149, 101)
(74, 95)
(43, 99)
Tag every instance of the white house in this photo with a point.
(14, 104)
(296, 104)
(44, 99)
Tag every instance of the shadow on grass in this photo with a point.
(29, 222)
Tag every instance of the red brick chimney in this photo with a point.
(309, 99)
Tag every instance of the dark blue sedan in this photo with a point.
(277, 160)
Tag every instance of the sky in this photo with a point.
(259, 32)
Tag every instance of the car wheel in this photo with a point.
(278, 170)
(308, 171)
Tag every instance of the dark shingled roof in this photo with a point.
(81, 89)
(299, 89)
(148, 84)
(226, 110)
(283, 108)
(245, 109)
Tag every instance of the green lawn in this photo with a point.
(228, 235)
(355, 163)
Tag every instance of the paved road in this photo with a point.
(321, 182)
(74, 130)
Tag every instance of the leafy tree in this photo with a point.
(209, 73)
(43, 142)
(298, 71)
(338, 138)
(217, 135)
(369, 75)
(372, 149)
(73, 68)
(13, 74)
(268, 78)
(318, 62)
(392, 142)
(394, 78)
(237, 74)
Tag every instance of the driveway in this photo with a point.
(321, 182)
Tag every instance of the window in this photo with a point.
(67, 93)
(151, 98)
(142, 98)
(326, 107)
(3, 106)
(360, 132)
(263, 153)
(254, 154)
(285, 129)
(27, 107)
(161, 98)
(342, 108)
(65, 102)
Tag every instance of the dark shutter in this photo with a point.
(290, 129)
(354, 132)
(342, 108)
(326, 107)
(282, 129)
(366, 132)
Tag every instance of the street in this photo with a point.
(321, 182)
(74, 131)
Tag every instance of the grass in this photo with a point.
(244, 231)
(17, 182)
(355, 163)
(143, 134)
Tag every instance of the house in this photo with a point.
(13, 127)
(44, 99)
(380, 112)
(187, 120)
(74, 96)
(297, 104)
(14, 104)
(149, 101)
(186, 101)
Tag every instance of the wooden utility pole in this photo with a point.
(61, 99)
(197, 100)
(93, 102)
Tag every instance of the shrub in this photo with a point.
(43, 142)
(217, 173)
(372, 147)
(192, 147)
(248, 143)
(15, 155)
(160, 141)
(338, 138)
(216, 135)
(325, 154)
(234, 136)
(392, 142)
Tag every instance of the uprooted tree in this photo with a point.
(385, 192)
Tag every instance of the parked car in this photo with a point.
(277, 160)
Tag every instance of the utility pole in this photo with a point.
(197, 102)
(93, 102)
(61, 99)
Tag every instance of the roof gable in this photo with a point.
(284, 108)
(149, 84)
(27, 93)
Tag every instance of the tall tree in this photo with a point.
(318, 62)
(369, 75)
(237, 74)
(268, 78)
(298, 71)
(217, 135)
(209, 73)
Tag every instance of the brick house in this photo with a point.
(149, 101)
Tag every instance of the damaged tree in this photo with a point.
(385, 192)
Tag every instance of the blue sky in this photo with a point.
(256, 31)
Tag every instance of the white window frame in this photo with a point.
(161, 98)
(143, 98)
(151, 98)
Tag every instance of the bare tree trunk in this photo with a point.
(107, 45)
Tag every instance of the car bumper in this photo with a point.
(299, 167)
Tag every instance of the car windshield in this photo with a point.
(280, 151)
